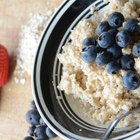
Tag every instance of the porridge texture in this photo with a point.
(103, 93)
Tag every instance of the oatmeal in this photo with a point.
(90, 83)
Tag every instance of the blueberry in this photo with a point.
(136, 50)
(89, 53)
(115, 50)
(41, 121)
(131, 80)
(105, 40)
(115, 19)
(40, 132)
(88, 42)
(113, 67)
(31, 130)
(127, 62)
(33, 106)
(103, 58)
(131, 26)
(99, 48)
(28, 138)
(33, 117)
(50, 133)
(113, 32)
(123, 38)
(102, 27)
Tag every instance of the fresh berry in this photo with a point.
(41, 121)
(132, 26)
(105, 40)
(88, 42)
(33, 117)
(115, 50)
(127, 62)
(31, 130)
(113, 67)
(40, 132)
(50, 133)
(4, 65)
(136, 50)
(28, 138)
(33, 106)
(99, 48)
(113, 32)
(115, 19)
(131, 80)
(103, 58)
(89, 53)
(123, 38)
(102, 27)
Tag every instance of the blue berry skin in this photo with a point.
(131, 26)
(103, 58)
(89, 53)
(105, 40)
(136, 50)
(28, 138)
(127, 62)
(33, 117)
(99, 48)
(41, 121)
(131, 80)
(40, 132)
(33, 106)
(102, 27)
(31, 130)
(123, 38)
(88, 42)
(115, 50)
(113, 67)
(113, 32)
(115, 19)
(50, 133)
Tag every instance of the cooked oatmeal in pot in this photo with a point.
(104, 93)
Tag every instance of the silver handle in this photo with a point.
(113, 124)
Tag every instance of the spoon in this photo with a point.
(113, 124)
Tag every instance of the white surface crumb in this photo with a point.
(28, 44)
(16, 80)
(22, 81)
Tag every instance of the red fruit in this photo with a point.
(4, 65)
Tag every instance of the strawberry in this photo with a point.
(4, 65)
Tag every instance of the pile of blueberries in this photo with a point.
(107, 49)
(38, 129)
